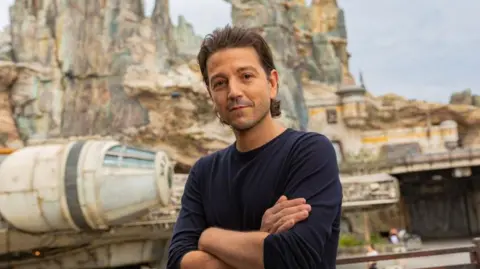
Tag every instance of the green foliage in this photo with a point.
(351, 240)
(377, 239)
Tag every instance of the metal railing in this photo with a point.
(472, 249)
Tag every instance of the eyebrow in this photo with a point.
(245, 68)
(216, 76)
(239, 70)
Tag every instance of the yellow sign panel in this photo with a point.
(314, 111)
(375, 139)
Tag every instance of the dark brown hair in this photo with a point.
(238, 37)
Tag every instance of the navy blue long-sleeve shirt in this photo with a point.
(232, 190)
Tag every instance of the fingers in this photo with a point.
(281, 199)
(284, 227)
(285, 213)
(295, 209)
(287, 222)
(290, 211)
(279, 206)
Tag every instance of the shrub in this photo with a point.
(349, 240)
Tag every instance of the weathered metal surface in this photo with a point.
(418, 163)
(438, 161)
(103, 255)
(167, 214)
(441, 208)
(369, 191)
(12, 240)
(82, 185)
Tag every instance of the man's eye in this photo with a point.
(218, 84)
(247, 76)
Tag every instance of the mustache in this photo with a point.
(238, 102)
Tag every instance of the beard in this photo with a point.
(245, 126)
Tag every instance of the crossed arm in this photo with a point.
(228, 255)
(313, 175)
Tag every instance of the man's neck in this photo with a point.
(259, 135)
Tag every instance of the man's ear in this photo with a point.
(273, 80)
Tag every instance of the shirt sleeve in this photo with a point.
(313, 175)
(190, 222)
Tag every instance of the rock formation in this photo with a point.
(80, 68)
(272, 21)
(329, 37)
(83, 68)
(465, 98)
(309, 43)
(392, 111)
(187, 41)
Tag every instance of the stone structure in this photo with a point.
(103, 68)
(187, 41)
(374, 129)
(309, 42)
(330, 35)
(465, 98)
(272, 21)
(80, 68)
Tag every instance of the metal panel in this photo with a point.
(71, 186)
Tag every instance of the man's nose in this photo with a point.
(235, 89)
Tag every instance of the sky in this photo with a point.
(420, 49)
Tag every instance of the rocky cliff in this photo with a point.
(83, 68)
(465, 98)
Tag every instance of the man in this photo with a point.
(273, 198)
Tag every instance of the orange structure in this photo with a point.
(6, 151)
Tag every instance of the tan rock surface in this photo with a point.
(82, 68)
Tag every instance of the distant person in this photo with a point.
(273, 198)
(371, 251)
(396, 238)
(393, 237)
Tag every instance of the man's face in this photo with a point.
(240, 88)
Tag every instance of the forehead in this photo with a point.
(231, 59)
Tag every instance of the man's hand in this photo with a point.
(284, 215)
